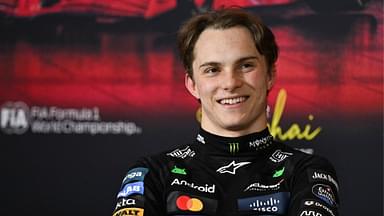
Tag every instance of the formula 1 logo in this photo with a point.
(14, 118)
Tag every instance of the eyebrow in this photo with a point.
(237, 61)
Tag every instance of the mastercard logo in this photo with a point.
(187, 203)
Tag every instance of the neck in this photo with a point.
(235, 131)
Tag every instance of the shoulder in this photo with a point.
(162, 162)
(299, 157)
(157, 167)
(299, 163)
(311, 169)
(176, 153)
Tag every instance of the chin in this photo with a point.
(235, 127)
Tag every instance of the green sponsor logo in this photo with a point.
(178, 171)
(279, 173)
(233, 148)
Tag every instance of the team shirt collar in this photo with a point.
(251, 143)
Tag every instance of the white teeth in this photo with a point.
(231, 101)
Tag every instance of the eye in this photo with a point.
(211, 70)
(246, 67)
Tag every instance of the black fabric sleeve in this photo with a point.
(314, 189)
(141, 191)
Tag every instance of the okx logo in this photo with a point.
(274, 203)
(14, 118)
(179, 202)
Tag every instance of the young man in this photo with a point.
(234, 167)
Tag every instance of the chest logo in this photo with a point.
(232, 167)
(262, 187)
(276, 203)
(177, 170)
(279, 173)
(182, 153)
(279, 156)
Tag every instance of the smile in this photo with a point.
(231, 101)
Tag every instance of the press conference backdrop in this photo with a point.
(88, 87)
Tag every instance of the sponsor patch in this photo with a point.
(318, 175)
(135, 174)
(200, 138)
(325, 193)
(131, 188)
(278, 173)
(129, 212)
(232, 167)
(121, 203)
(310, 213)
(279, 156)
(206, 188)
(261, 143)
(316, 204)
(276, 203)
(182, 153)
(262, 187)
(177, 170)
(180, 202)
(233, 148)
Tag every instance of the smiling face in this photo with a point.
(230, 77)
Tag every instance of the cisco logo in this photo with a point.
(14, 118)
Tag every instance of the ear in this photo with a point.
(271, 77)
(191, 86)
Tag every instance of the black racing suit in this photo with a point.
(248, 175)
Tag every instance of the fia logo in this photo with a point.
(14, 118)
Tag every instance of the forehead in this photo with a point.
(224, 44)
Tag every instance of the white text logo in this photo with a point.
(14, 118)
(317, 204)
(182, 153)
(261, 187)
(327, 177)
(125, 202)
(206, 188)
(279, 156)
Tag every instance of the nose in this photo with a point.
(231, 80)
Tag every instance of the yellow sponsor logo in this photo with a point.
(129, 212)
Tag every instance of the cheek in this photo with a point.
(205, 89)
(258, 82)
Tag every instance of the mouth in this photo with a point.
(232, 101)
